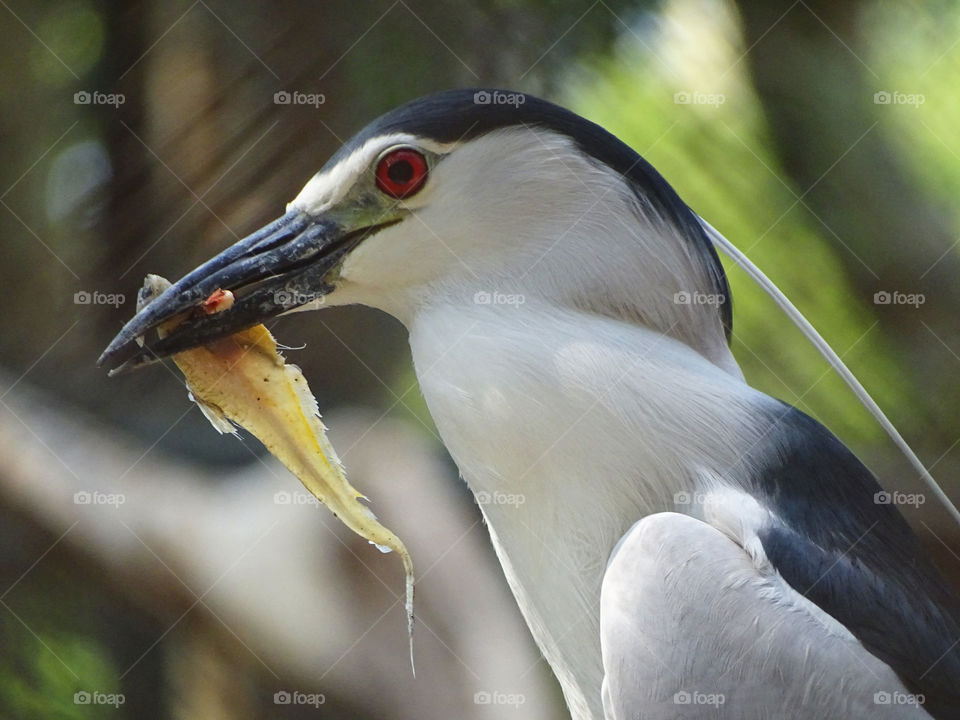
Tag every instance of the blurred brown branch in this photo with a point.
(250, 578)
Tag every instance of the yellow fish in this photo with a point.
(242, 379)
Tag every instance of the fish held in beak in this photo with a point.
(242, 380)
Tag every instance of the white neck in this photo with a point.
(569, 427)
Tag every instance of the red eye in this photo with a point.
(401, 172)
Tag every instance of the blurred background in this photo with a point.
(150, 568)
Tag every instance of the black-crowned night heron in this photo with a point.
(687, 546)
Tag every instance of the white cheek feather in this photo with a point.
(522, 211)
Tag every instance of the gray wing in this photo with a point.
(692, 627)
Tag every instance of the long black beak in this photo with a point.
(282, 266)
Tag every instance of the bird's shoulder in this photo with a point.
(836, 537)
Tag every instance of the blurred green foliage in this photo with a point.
(73, 42)
(917, 53)
(37, 674)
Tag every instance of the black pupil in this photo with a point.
(400, 171)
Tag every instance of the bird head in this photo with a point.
(465, 196)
